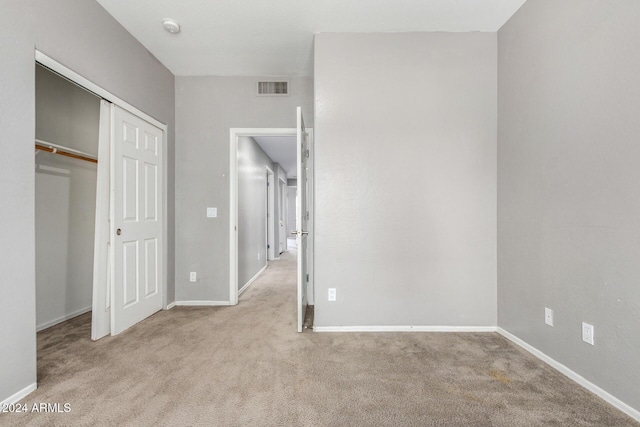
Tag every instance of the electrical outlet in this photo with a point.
(332, 294)
(587, 333)
(192, 276)
(212, 212)
(548, 316)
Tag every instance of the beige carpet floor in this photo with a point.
(246, 366)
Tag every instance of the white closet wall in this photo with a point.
(65, 197)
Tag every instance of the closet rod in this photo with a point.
(64, 151)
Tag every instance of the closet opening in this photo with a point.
(100, 199)
(66, 153)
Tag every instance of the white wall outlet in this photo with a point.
(193, 276)
(332, 294)
(587, 333)
(212, 212)
(548, 316)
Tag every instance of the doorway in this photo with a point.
(110, 245)
(237, 274)
(271, 240)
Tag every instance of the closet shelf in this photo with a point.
(64, 151)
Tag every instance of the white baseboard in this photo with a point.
(606, 396)
(19, 395)
(61, 319)
(404, 329)
(170, 306)
(201, 303)
(253, 279)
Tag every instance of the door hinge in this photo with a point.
(268, 246)
(306, 153)
(307, 278)
(307, 215)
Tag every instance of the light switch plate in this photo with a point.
(548, 316)
(212, 212)
(332, 294)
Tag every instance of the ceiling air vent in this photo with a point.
(273, 88)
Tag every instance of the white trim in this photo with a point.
(76, 78)
(253, 279)
(404, 329)
(61, 319)
(170, 306)
(200, 303)
(606, 396)
(15, 398)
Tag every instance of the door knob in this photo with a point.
(118, 231)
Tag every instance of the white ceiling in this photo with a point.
(275, 37)
(281, 149)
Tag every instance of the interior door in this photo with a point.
(281, 219)
(302, 217)
(136, 226)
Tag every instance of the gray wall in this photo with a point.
(65, 198)
(17, 187)
(252, 208)
(206, 108)
(568, 174)
(82, 36)
(406, 129)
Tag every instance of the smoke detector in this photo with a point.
(171, 26)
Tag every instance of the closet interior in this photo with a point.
(66, 148)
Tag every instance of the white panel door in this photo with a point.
(136, 201)
(302, 217)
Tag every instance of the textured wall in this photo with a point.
(568, 199)
(17, 186)
(206, 108)
(405, 161)
(82, 36)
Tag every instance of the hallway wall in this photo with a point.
(252, 208)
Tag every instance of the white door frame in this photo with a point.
(271, 237)
(76, 78)
(234, 134)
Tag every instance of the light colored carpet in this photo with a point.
(246, 366)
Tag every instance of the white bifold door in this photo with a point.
(302, 217)
(136, 213)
